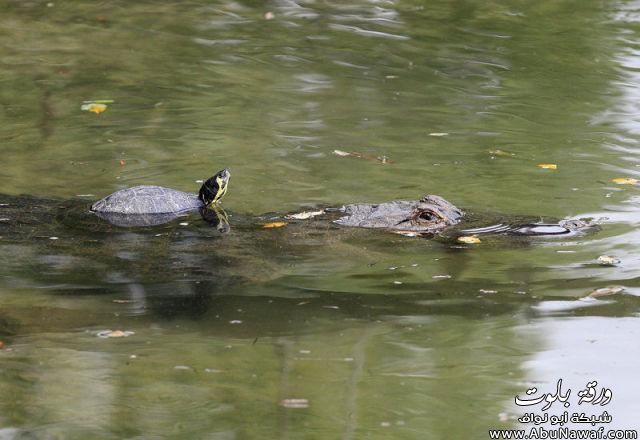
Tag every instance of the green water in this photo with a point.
(381, 336)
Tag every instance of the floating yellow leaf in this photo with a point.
(548, 166)
(94, 107)
(274, 225)
(469, 239)
(625, 181)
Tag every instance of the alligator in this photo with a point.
(432, 215)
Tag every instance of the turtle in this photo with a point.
(152, 205)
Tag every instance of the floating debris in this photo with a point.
(469, 239)
(114, 334)
(407, 233)
(501, 153)
(304, 215)
(54, 238)
(1, 345)
(122, 301)
(235, 322)
(438, 134)
(605, 291)
(625, 181)
(184, 224)
(548, 166)
(269, 15)
(441, 277)
(397, 282)
(607, 260)
(183, 367)
(274, 225)
(295, 403)
(381, 159)
(487, 291)
(122, 162)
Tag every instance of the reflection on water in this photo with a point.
(376, 335)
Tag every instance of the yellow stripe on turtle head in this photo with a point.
(215, 188)
(222, 189)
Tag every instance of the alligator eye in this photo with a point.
(427, 216)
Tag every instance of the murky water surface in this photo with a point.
(315, 332)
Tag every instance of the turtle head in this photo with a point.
(215, 187)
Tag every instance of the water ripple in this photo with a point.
(367, 33)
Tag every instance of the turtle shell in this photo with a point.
(148, 200)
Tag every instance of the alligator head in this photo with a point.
(429, 215)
